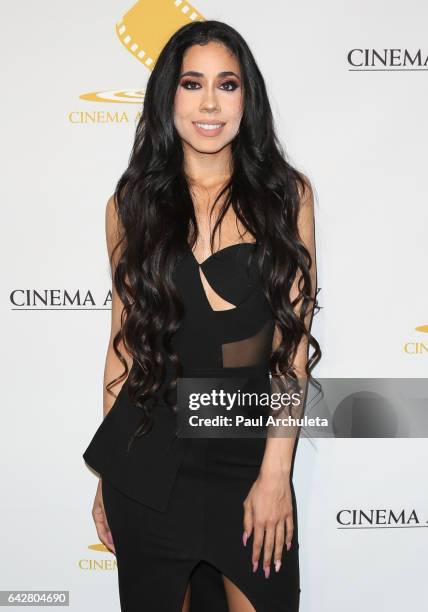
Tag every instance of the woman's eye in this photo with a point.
(186, 83)
(232, 83)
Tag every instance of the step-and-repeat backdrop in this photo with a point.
(348, 86)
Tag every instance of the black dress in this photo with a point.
(174, 504)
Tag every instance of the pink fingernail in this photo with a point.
(267, 572)
(244, 538)
(255, 564)
(277, 565)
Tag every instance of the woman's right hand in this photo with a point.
(100, 519)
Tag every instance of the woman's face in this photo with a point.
(209, 99)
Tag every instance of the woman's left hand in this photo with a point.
(268, 509)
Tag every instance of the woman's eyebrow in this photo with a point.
(194, 73)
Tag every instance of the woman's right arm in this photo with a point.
(113, 367)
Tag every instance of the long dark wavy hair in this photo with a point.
(156, 213)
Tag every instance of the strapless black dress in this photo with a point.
(174, 504)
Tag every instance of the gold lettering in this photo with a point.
(415, 348)
(96, 117)
(101, 564)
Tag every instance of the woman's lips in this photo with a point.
(208, 131)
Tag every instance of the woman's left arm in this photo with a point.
(268, 508)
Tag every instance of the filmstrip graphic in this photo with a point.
(143, 31)
(148, 25)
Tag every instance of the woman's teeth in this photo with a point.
(209, 126)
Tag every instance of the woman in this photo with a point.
(210, 235)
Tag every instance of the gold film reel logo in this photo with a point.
(143, 31)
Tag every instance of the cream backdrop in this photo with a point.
(360, 136)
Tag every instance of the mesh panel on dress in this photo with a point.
(248, 352)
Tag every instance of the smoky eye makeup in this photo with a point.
(187, 82)
(231, 82)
